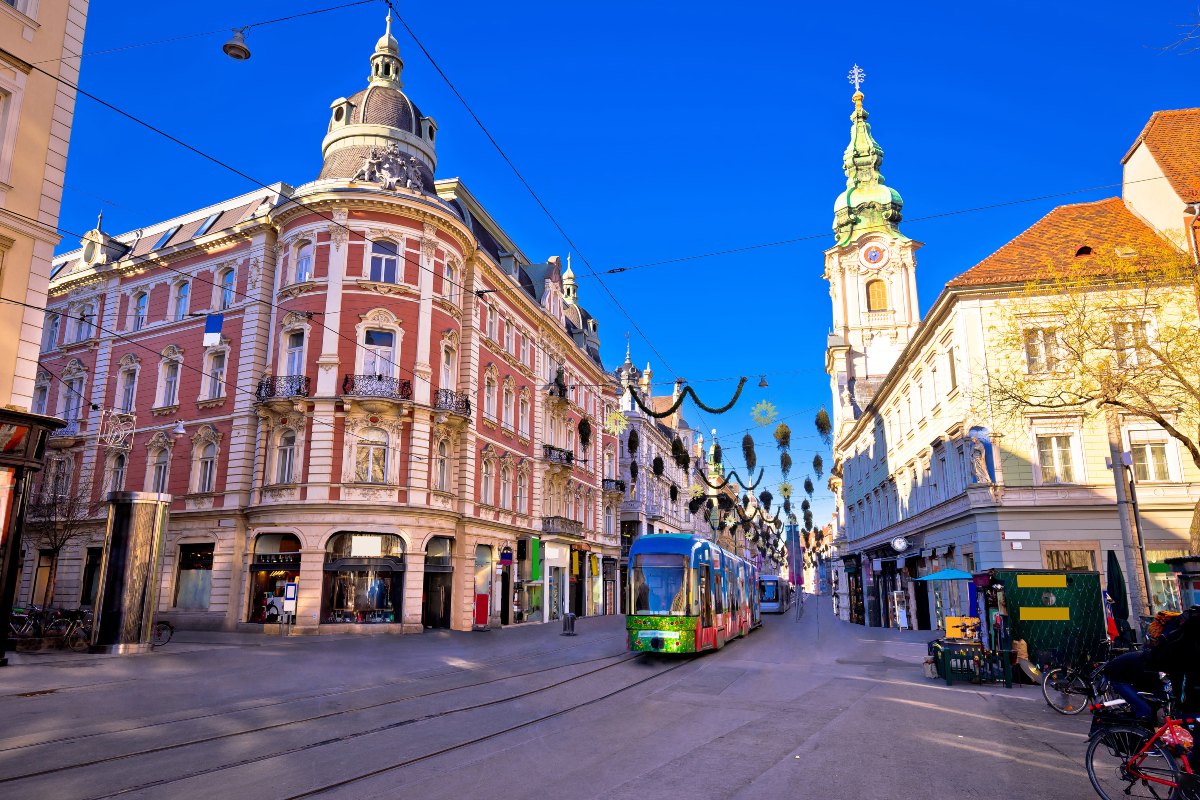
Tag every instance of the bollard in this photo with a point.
(568, 624)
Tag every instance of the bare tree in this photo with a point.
(1113, 333)
(1188, 41)
(59, 514)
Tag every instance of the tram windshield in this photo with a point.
(660, 585)
(769, 591)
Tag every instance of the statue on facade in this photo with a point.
(979, 467)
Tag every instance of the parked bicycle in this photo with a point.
(1125, 758)
(74, 628)
(1070, 689)
(163, 631)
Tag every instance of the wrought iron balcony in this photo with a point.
(72, 428)
(454, 402)
(562, 526)
(614, 485)
(377, 386)
(282, 386)
(557, 455)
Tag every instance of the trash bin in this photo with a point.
(568, 624)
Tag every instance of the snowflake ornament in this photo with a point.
(616, 422)
(764, 413)
(697, 491)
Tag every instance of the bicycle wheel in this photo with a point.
(162, 634)
(1154, 775)
(79, 640)
(1065, 690)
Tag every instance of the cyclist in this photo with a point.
(1173, 649)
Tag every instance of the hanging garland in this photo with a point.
(680, 454)
(585, 432)
(687, 390)
(657, 466)
(632, 444)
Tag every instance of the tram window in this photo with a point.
(719, 593)
(770, 591)
(660, 586)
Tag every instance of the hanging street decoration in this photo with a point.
(697, 492)
(785, 464)
(632, 443)
(616, 422)
(824, 426)
(680, 454)
(687, 391)
(764, 413)
(748, 453)
(818, 465)
(585, 432)
(783, 436)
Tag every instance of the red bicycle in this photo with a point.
(1127, 760)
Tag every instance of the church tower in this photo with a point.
(871, 274)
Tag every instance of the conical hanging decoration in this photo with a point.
(824, 426)
(783, 436)
(632, 443)
(785, 464)
(748, 452)
(818, 465)
(808, 486)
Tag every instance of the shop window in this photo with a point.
(276, 563)
(1164, 586)
(364, 578)
(193, 586)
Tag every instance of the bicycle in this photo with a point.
(1155, 764)
(75, 628)
(162, 633)
(1071, 689)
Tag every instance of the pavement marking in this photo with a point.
(1026, 757)
(946, 688)
(1002, 721)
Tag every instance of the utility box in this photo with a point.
(1059, 614)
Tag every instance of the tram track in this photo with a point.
(313, 718)
(622, 658)
(411, 678)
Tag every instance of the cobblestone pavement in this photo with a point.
(810, 709)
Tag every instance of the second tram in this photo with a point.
(774, 594)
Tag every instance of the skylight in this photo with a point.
(208, 223)
(166, 237)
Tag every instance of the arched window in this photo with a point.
(206, 477)
(519, 506)
(448, 375)
(384, 260)
(182, 296)
(50, 334)
(441, 480)
(523, 416)
(371, 456)
(294, 353)
(285, 458)
(505, 487)
(508, 407)
(225, 281)
(485, 485)
(116, 472)
(140, 301)
(161, 460)
(169, 391)
(83, 323)
(127, 389)
(877, 299)
(589, 511)
(489, 398)
(215, 372)
(304, 258)
(379, 353)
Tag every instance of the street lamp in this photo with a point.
(236, 47)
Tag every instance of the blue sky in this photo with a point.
(655, 131)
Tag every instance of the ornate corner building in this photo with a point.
(360, 385)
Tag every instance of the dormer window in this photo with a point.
(206, 225)
(166, 237)
(1083, 251)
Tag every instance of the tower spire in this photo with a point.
(386, 63)
(867, 204)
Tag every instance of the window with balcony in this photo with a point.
(379, 353)
(385, 260)
(449, 374)
(441, 467)
(294, 353)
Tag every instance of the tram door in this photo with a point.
(719, 607)
(706, 606)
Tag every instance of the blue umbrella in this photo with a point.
(948, 575)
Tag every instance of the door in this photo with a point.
(706, 636)
(435, 605)
(506, 595)
(921, 603)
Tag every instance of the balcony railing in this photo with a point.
(377, 386)
(557, 455)
(72, 428)
(282, 386)
(562, 525)
(454, 402)
(614, 485)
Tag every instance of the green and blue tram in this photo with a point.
(686, 595)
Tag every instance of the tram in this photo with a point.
(774, 594)
(686, 595)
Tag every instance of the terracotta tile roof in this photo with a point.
(1173, 138)
(1054, 241)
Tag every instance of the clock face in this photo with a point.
(899, 544)
(873, 254)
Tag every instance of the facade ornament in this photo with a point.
(387, 167)
(979, 467)
(339, 235)
(160, 441)
(130, 360)
(253, 274)
(206, 435)
(74, 367)
(450, 338)
(172, 352)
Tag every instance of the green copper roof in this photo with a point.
(867, 204)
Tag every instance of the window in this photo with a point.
(206, 225)
(371, 457)
(951, 369)
(161, 467)
(182, 292)
(73, 399)
(523, 416)
(41, 577)
(84, 323)
(448, 374)
(1070, 559)
(41, 395)
(509, 337)
(379, 353)
(170, 387)
(608, 520)
(50, 335)
(90, 582)
(508, 407)
(520, 504)
(216, 375)
(294, 354)
(285, 458)
(524, 348)
(485, 485)
(140, 301)
(449, 282)
(489, 398)
(225, 282)
(166, 237)
(877, 299)
(1129, 341)
(506, 487)
(384, 259)
(1041, 349)
(304, 258)
(441, 478)
(116, 472)
(127, 379)
(1150, 462)
(194, 584)
(492, 322)
(1054, 454)
(206, 478)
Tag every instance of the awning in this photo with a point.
(948, 575)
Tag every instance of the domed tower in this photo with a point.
(378, 135)
(871, 274)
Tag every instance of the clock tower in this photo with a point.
(871, 274)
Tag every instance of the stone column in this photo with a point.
(414, 588)
(309, 586)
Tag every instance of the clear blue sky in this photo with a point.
(659, 130)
